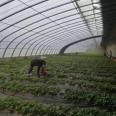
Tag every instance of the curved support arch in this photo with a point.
(27, 7)
(28, 43)
(32, 40)
(40, 42)
(22, 10)
(49, 52)
(65, 47)
(33, 30)
(32, 34)
(31, 44)
(39, 48)
(19, 40)
(53, 49)
(32, 15)
(51, 40)
(28, 36)
(47, 47)
(6, 2)
(54, 53)
(59, 46)
(32, 22)
(48, 44)
(25, 27)
(45, 17)
(35, 45)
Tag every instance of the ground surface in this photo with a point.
(77, 85)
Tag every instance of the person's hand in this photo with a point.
(45, 73)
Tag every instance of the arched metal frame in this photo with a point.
(23, 10)
(81, 40)
(47, 44)
(70, 29)
(24, 34)
(43, 45)
(47, 48)
(30, 40)
(40, 13)
(31, 44)
(6, 2)
(37, 45)
(38, 49)
(50, 50)
(19, 42)
(42, 48)
(46, 17)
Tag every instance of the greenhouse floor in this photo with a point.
(77, 85)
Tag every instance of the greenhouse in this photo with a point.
(57, 58)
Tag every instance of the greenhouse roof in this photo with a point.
(32, 27)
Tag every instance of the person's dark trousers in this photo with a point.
(38, 71)
(30, 69)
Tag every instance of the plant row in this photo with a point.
(101, 100)
(27, 108)
(45, 86)
(17, 87)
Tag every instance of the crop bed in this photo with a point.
(77, 85)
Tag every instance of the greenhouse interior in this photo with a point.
(57, 57)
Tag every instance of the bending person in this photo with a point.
(41, 66)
